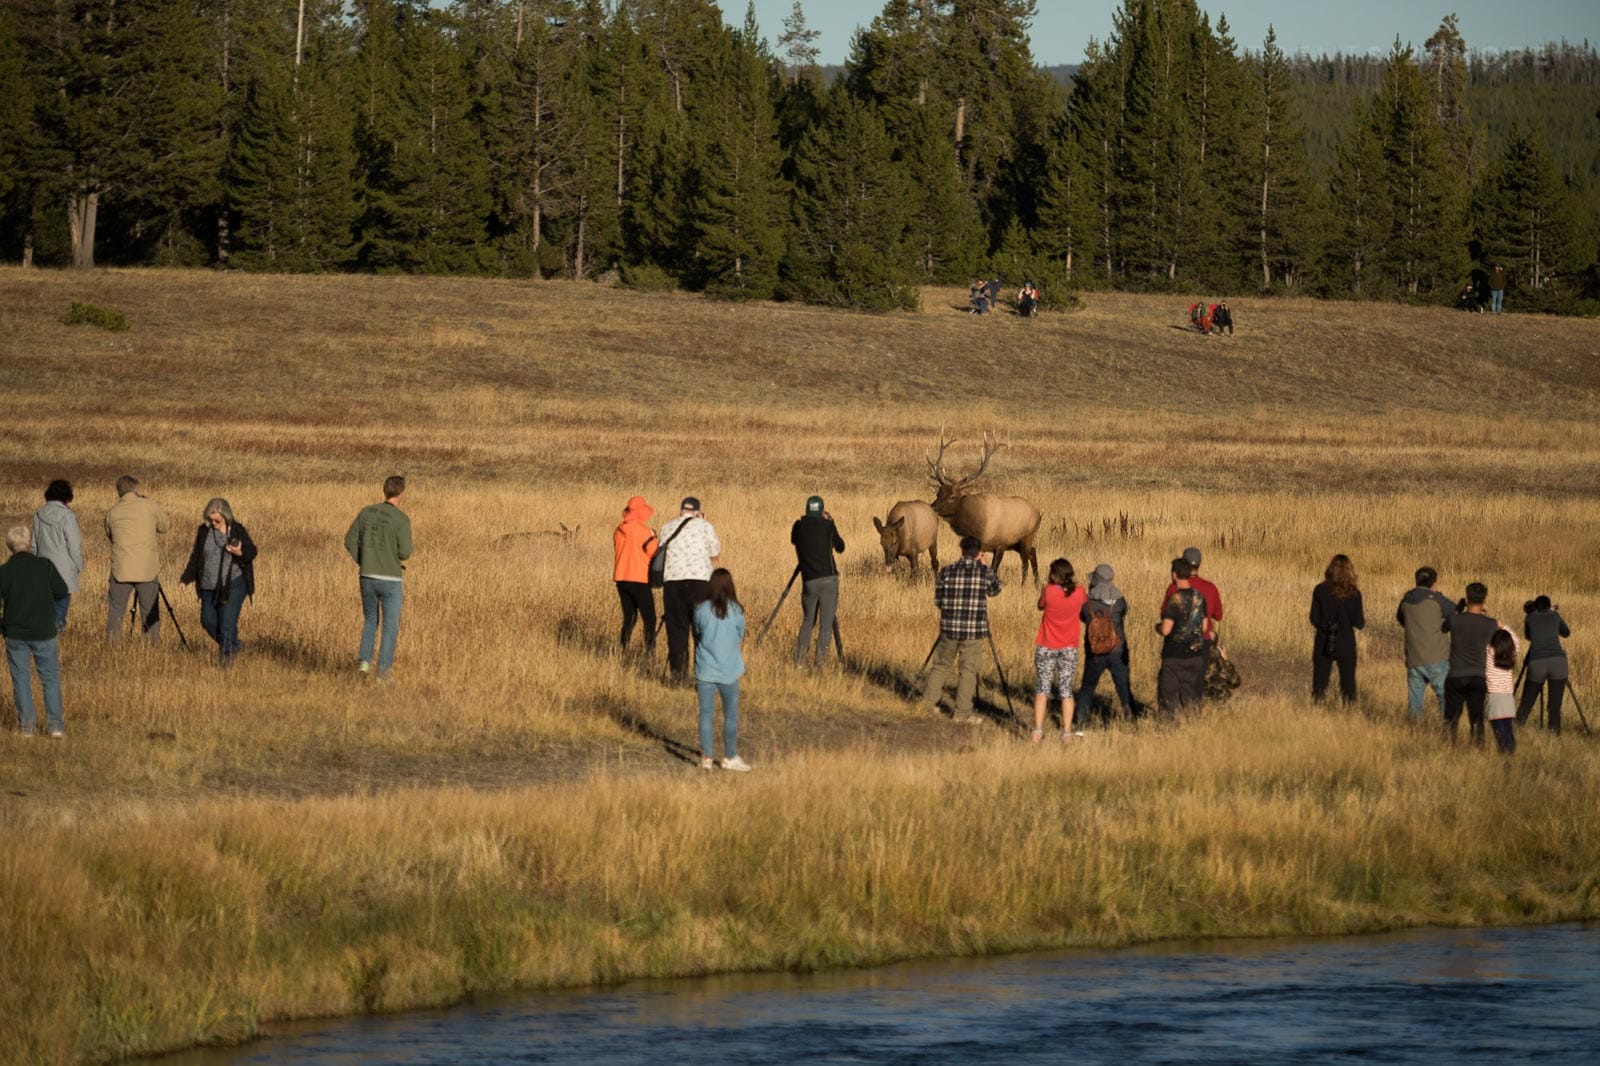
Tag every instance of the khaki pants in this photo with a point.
(967, 657)
(148, 595)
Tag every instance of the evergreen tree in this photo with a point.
(1094, 125)
(16, 105)
(798, 41)
(1527, 219)
(1446, 73)
(946, 233)
(849, 246)
(1284, 227)
(1362, 215)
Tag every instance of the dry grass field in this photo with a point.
(209, 851)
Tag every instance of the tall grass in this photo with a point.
(210, 851)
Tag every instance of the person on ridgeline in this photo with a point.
(1546, 662)
(134, 526)
(1468, 300)
(692, 552)
(1222, 317)
(1105, 639)
(718, 665)
(56, 537)
(222, 569)
(962, 594)
(1055, 647)
(815, 539)
(978, 297)
(30, 588)
(1200, 317)
(379, 540)
(1336, 614)
(634, 544)
(1182, 679)
(1500, 684)
(1422, 612)
(1497, 288)
(1028, 299)
(991, 289)
(1470, 628)
(1208, 592)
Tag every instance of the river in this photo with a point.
(1424, 996)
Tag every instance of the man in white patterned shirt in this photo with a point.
(692, 552)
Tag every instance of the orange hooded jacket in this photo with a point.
(634, 543)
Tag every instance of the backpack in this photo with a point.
(1189, 630)
(1102, 636)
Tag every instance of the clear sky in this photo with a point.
(1063, 27)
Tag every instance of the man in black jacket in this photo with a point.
(815, 539)
(29, 589)
(1470, 630)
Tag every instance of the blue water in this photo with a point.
(1450, 996)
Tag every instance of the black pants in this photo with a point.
(1505, 735)
(1181, 683)
(637, 602)
(678, 600)
(1540, 672)
(1322, 671)
(1470, 692)
(1115, 664)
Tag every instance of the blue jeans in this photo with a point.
(61, 611)
(1421, 678)
(380, 597)
(45, 659)
(221, 623)
(730, 715)
(1497, 297)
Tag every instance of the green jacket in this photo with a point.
(29, 589)
(380, 540)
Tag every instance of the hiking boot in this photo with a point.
(736, 764)
(707, 763)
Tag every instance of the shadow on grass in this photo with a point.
(906, 685)
(634, 722)
(289, 651)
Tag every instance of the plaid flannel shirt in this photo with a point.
(962, 596)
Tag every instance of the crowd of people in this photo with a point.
(1457, 649)
(983, 297)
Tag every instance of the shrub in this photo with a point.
(81, 314)
(647, 277)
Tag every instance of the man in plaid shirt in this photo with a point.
(962, 596)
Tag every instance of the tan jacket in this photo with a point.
(134, 525)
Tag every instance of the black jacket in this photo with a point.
(815, 540)
(246, 562)
(1340, 617)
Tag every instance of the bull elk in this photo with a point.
(911, 529)
(1001, 523)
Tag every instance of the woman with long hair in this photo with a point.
(718, 665)
(1499, 675)
(222, 569)
(1336, 614)
(1055, 647)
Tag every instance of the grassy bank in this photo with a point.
(207, 851)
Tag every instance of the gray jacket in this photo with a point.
(56, 537)
(1423, 611)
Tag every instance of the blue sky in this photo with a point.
(1352, 26)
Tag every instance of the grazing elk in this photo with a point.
(1001, 523)
(911, 529)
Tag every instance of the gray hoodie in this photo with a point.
(56, 537)
(1423, 611)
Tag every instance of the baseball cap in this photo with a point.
(814, 505)
(690, 503)
(1192, 555)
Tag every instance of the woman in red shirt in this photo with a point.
(1055, 653)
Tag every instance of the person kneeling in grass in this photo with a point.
(718, 665)
(1055, 651)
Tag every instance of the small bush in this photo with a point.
(647, 278)
(80, 314)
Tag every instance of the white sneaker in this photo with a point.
(56, 734)
(365, 667)
(707, 763)
(736, 764)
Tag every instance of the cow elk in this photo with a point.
(911, 529)
(1001, 523)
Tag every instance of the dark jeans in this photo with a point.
(221, 621)
(1117, 666)
(1505, 735)
(1551, 671)
(678, 600)
(637, 602)
(1322, 671)
(61, 611)
(1181, 683)
(1470, 692)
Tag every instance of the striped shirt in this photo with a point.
(962, 596)
(1498, 680)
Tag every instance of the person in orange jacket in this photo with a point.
(635, 545)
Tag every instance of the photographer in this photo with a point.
(134, 525)
(1470, 628)
(815, 539)
(1336, 614)
(1546, 661)
(222, 569)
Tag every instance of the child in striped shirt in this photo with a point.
(1500, 708)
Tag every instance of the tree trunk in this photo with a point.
(1266, 178)
(299, 36)
(83, 207)
(27, 250)
(961, 121)
(577, 252)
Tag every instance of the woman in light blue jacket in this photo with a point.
(718, 665)
(56, 537)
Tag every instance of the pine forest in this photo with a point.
(650, 142)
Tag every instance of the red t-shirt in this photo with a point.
(1059, 628)
(1209, 593)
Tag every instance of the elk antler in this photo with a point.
(936, 472)
(989, 448)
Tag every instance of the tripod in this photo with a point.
(1572, 694)
(1005, 686)
(144, 623)
(838, 642)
